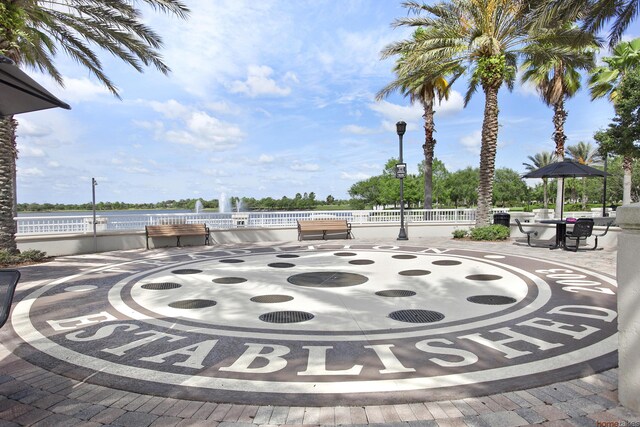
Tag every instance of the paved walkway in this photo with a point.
(32, 395)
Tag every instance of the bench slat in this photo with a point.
(177, 230)
(324, 226)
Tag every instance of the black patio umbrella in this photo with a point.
(19, 93)
(565, 169)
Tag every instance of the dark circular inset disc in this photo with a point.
(281, 265)
(286, 317)
(190, 304)
(446, 262)
(187, 271)
(416, 316)
(414, 272)
(345, 254)
(229, 280)
(231, 260)
(395, 293)
(361, 261)
(161, 286)
(288, 256)
(484, 277)
(491, 299)
(327, 279)
(271, 299)
(404, 256)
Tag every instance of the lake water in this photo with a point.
(109, 213)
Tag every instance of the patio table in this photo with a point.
(561, 230)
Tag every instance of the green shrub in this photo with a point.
(460, 234)
(490, 232)
(31, 255)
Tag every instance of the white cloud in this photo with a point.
(450, 106)
(265, 158)
(259, 83)
(82, 90)
(30, 152)
(171, 109)
(472, 142)
(306, 167)
(204, 132)
(358, 130)
(358, 176)
(30, 172)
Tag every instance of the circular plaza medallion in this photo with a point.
(414, 324)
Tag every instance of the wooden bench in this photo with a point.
(324, 226)
(177, 230)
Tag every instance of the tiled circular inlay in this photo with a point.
(484, 277)
(187, 271)
(281, 265)
(286, 317)
(446, 262)
(271, 299)
(161, 286)
(491, 299)
(414, 272)
(229, 280)
(327, 279)
(416, 316)
(395, 293)
(190, 304)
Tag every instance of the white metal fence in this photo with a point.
(84, 224)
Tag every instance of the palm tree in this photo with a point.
(606, 80)
(584, 153)
(420, 88)
(32, 32)
(594, 15)
(484, 37)
(537, 161)
(555, 68)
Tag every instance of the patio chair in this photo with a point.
(608, 224)
(582, 229)
(528, 233)
(8, 282)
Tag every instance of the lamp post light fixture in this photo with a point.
(401, 172)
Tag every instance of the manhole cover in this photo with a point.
(491, 299)
(484, 277)
(414, 272)
(404, 256)
(345, 254)
(161, 286)
(327, 279)
(229, 280)
(395, 293)
(271, 299)
(231, 260)
(446, 262)
(361, 261)
(190, 304)
(288, 256)
(416, 316)
(187, 271)
(281, 265)
(286, 317)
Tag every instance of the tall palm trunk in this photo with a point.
(559, 118)
(627, 167)
(428, 148)
(7, 183)
(488, 153)
(544, 189)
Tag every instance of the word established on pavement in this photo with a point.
(322, 325)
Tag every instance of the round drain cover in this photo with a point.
(281, 265)
(416, 316)
(414, 272)
(271, 299)
(286, 317)
(491, 299)
(446, 262)
(187, 271)
(484, 277)
(361, 261)
(231, 260)
(344, 254)
(288, 256)
(404, 256)
(229, 280)
(395, 293)
(161, 286)
(190, 304)
(327, 279)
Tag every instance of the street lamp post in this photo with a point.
(93, 204)
(401, 170)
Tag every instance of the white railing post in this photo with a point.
(628, 218)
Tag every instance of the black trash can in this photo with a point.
(501, 218)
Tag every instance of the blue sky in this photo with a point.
(268, 98)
